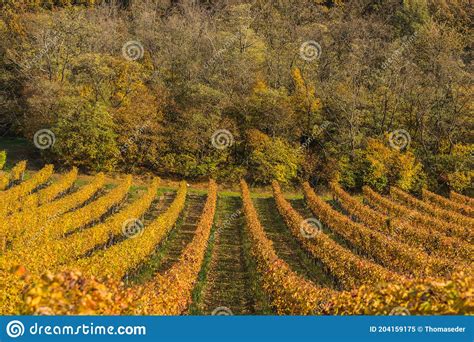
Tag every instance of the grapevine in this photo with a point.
(394, 209)
(170, 293)
(388, 252)
(350, 269)
(290, 293)
(121, 258)
(413, 233)
(461, 199)
(447, 204)
(442, 214)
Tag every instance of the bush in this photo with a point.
(270, 109)
(85, 138)
(453, 167)
(460, 181)
(381, 166)
(347, 175)
(271, 159)
(460, 178)
(3, 159)
(410, 172)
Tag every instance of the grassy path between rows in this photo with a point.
(171, 248)
(300, 206)
(287, 246)
(229, 282)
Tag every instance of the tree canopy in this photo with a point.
(372, 92)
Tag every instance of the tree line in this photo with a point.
(371, 92)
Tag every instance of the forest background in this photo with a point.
(372, 92)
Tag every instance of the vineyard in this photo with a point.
(125, 246)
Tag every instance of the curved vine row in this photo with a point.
(57, 252)
(15, 175)
(47, 226)
(394, 209)
(170, 293)
(445, 215)
(89, 213)
(75, 199)
(461, 199)
(76, 245)
(388, 252)
(350, 269)
(444, 203)
(10, 196)
(290, 293)
(412, 233)
(49, 193)
(119, 259)
(29, 222)
(18, 171)
(419, 297)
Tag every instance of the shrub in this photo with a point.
(85, 138)
(381, 166)
(347, 176)
(271, 158)
(461, 176)
(459, 181)
(271, 109)
(3, 159)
